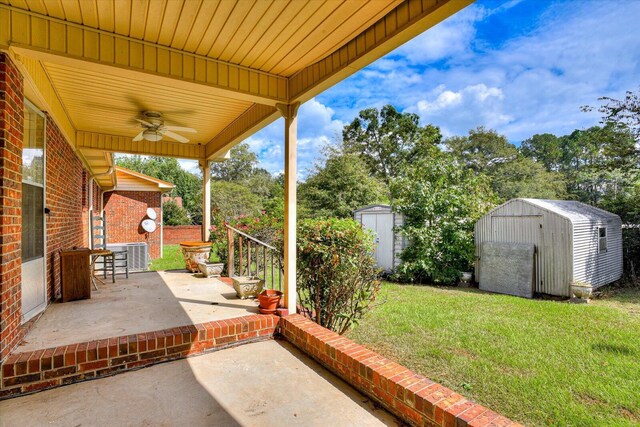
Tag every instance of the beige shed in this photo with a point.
(574, 242)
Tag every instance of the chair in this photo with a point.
(103, 259)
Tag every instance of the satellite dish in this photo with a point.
(149, 225)
(151, 213)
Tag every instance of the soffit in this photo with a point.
(275, 36)
(101, 102)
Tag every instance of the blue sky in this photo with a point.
(520, 67)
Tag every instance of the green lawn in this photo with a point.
(171, 259)
(539, 362)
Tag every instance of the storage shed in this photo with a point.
(381, 220)
(573, 242)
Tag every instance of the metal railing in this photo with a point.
(248, 256)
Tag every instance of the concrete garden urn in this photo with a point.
(581, 292)
(211, 269)
(247, 286)
(195, 253)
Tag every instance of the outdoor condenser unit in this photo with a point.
(138, 254)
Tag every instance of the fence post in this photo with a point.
(230, 253)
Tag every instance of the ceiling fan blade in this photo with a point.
(181, 129)
(144, 122)
(175, 136)
(138, 137)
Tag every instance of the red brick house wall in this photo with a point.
(66, 226)
(174, 234)
(11, 126)
(130, 208)
(67, 223)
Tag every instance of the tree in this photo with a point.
(523, 177)
(238, 168)
(388, 139)
(543, 148)
(482, 150)
(509, 173)
(172, 214)
(230, 200)
(340, 186)
(440, 202)
(599, 161)
(622, 113)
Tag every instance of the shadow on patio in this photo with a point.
(145, 302)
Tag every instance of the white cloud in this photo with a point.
(572, 54)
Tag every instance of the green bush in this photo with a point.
(440, 202)
(337, 278)
(173, 214)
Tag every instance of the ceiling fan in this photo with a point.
(154, 129)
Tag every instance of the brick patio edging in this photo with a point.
(31, 371)
(414, 398)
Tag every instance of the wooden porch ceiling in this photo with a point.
(220, 67)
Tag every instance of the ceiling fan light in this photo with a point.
(151, 135)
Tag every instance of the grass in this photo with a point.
(539, 362)
(171, 259)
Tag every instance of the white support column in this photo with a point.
(290, 114)
(205, 166)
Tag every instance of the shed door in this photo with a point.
(382, 226)
(521, 229)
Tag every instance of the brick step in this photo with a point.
(32, 371)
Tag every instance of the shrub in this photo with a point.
(173, 214)
(337, 279)
(441, 202)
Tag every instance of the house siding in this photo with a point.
(590, 265)
(67, 223)
(65, 196)
(11, 128)
(130, 208)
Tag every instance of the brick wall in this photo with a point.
(412, 397)
(174, 234)
(67, 223)
(11, 125)
(125, 211)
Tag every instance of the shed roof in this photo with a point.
(571, 209)
(377, 205)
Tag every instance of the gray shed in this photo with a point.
(573, 242)
(381, 220)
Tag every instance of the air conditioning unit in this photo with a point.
(138, 256)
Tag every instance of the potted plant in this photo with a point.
(213, 268)
(269, 300)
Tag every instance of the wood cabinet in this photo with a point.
(76, 274)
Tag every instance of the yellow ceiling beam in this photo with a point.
(124, 144)
(53, 39)
(401, 24)
(251, 121)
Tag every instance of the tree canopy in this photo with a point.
(386, 140)
(342, 185)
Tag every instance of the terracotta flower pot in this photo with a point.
(269, 300)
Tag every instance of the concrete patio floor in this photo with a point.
(267, 383)
(145, 302)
